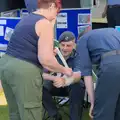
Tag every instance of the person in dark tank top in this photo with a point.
(29, 51)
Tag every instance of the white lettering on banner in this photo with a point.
(8, 33)
(1, 30)
(3, 22)
(3, 47)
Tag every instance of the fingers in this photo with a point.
(68, 72)
(59, 83)
(91, 112)
(55, 52)
(103, 15)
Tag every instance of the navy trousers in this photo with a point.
(107, 93)
(113, 16)
(76, 95)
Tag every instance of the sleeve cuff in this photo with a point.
(86, 73)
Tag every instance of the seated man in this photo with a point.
(76, 91)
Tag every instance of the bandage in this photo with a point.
(71, 80)
(68, 80)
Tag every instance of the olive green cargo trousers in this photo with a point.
(22, 85)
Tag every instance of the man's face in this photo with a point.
(66, 48)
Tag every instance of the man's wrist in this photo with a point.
(68, 72)
(68, 80)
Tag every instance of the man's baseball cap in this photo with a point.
(66, 36)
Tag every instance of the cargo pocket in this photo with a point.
(33, 111)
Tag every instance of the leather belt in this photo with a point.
(114, 6)
(111, 53)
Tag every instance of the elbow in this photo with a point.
(44, 61)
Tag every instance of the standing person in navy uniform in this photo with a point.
(111, 11)
(101, 47)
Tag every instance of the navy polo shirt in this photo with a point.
(92, 45)
(70, 62)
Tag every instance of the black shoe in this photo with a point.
(57, 117)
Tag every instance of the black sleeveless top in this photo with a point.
(24, 41)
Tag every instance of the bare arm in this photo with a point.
(47, 76)
(45, 30)
(89, 87)
(75, 78)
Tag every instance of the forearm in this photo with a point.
(47, 76)
(89, 87)
(68, 80)
(52, 65)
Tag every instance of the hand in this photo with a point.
(68, 72)
(59, 82)
(91, 111)
(103, 14)
(55, 51)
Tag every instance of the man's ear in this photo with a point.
(74, 45)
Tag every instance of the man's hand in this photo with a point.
(68, 72)
(104, 14)
(59, 82)
(55, 51)
(75, 78)
(90, 90)
(91, 111)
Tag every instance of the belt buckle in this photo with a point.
(110, 6)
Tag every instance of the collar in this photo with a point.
(73, 54)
